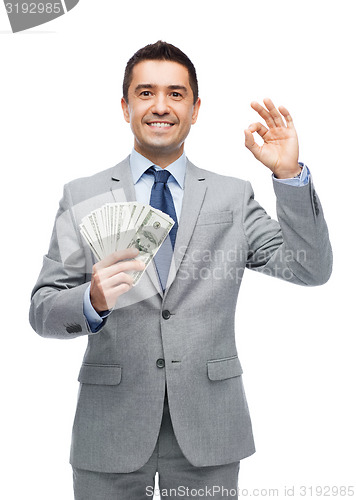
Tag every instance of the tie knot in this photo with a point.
(160, 175)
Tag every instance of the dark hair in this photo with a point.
(161, 51)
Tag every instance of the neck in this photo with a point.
(160, 158)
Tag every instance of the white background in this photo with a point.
(61, 118)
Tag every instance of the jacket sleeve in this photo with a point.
(297, 247)
(57, 299)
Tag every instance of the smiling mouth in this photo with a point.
(160, 124)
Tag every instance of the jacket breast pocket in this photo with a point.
(97, 374)
(224, 368)
(205, 218)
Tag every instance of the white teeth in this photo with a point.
(159, 124)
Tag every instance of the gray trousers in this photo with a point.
(177, 478)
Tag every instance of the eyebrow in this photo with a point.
(170, 87)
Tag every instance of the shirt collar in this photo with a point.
(139, 164)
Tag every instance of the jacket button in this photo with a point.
(160, 363)
(166, 314)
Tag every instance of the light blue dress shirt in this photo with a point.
(143, 183)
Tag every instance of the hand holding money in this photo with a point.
(110, 278)
(115, 233)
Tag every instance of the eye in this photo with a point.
(146, 93)
(176, 95)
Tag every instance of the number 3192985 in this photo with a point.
(34, 8)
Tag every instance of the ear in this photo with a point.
(196, 111)
(125, 109)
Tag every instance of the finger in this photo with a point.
(274, 112)
(127, 265)
(106, 286)
(127, 253)
(119, 267)
(112, 295)
(119, 279)
(286, 116)
(259, 128)
(120, 289)
(263, 114)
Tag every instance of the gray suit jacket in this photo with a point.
(191, 326)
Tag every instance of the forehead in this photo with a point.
(160, 73)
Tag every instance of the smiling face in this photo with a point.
(160, 109)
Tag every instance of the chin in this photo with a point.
(161, 146)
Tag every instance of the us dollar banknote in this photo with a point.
(117, 226)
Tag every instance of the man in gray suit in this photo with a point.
(160, 384)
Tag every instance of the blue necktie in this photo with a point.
(161, 198)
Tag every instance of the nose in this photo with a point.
(160, 105)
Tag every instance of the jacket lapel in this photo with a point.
(194, 192)
(123, 188)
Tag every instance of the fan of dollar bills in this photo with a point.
(117, 226)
